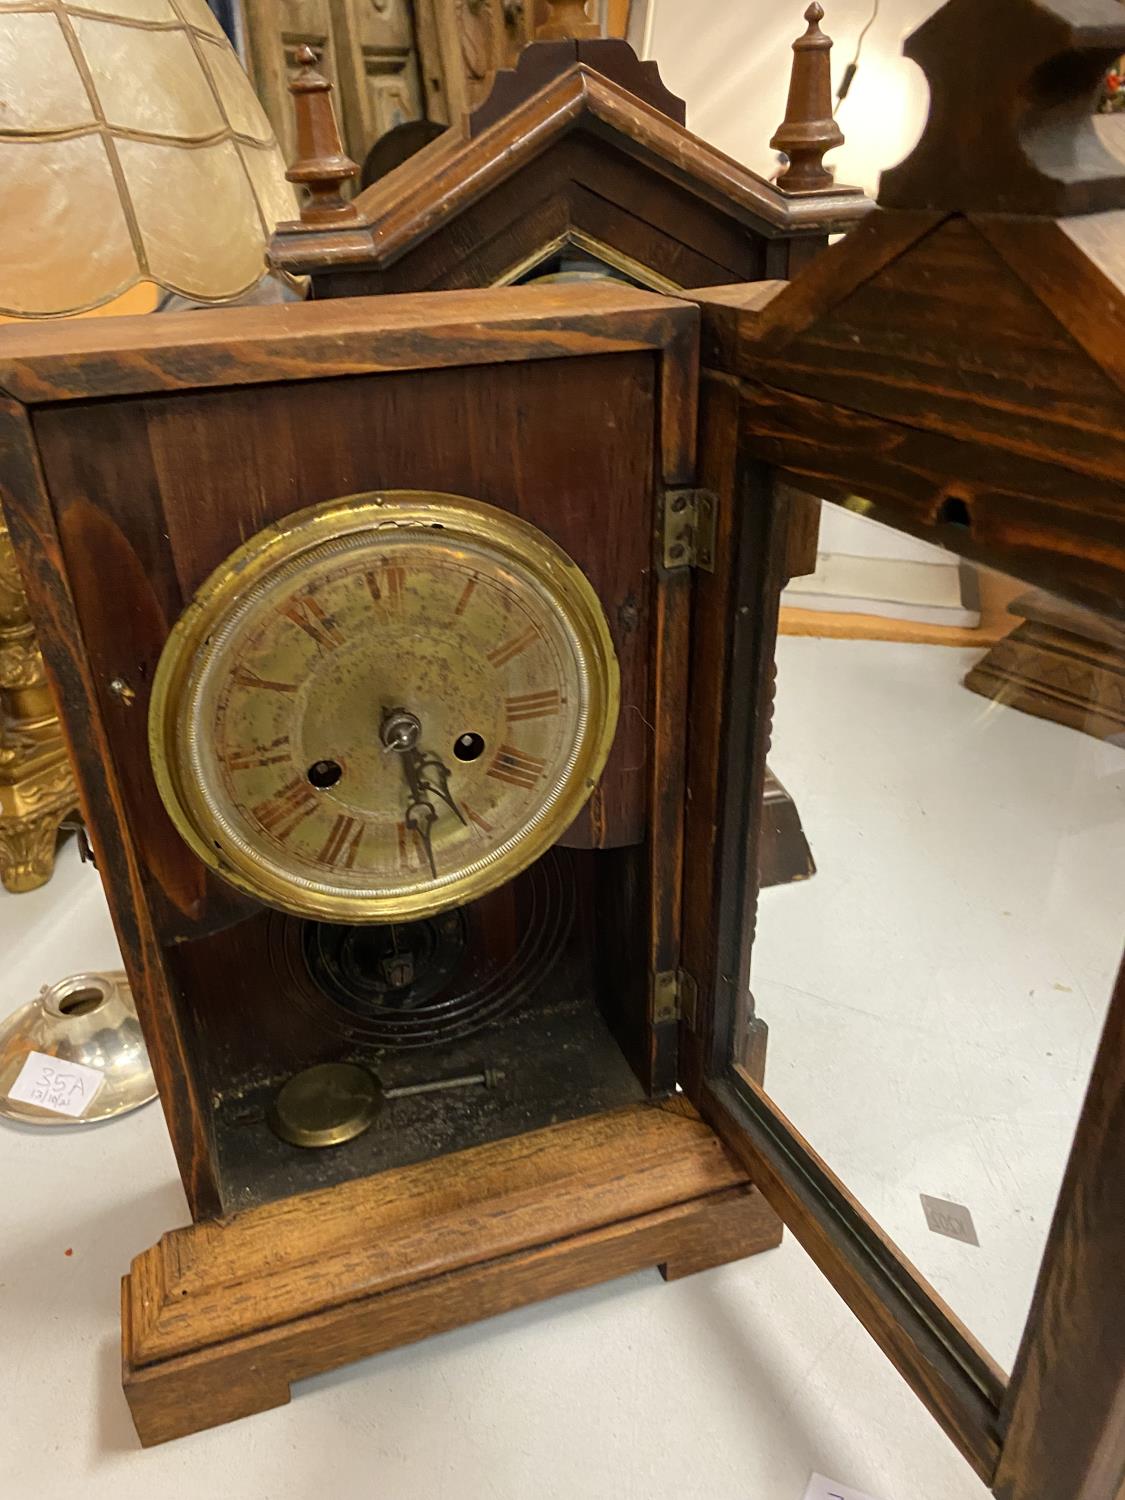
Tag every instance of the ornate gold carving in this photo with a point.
(37, 788)
(475, 20)
(21, 664)
(27, 850)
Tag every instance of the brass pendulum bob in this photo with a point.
(809, 129)
(331, 1103)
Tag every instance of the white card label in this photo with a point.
(66, 1088)
(951, 1219)
(827, 1489)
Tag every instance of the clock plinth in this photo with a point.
(533, 1217)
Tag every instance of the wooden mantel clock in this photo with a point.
(383, 729)
(424, 770)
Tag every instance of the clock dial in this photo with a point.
(384, 708)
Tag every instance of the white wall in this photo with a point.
(731, 59)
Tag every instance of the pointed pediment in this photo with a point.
(581, 154)
(997, 330)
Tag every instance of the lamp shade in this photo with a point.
(132, 149)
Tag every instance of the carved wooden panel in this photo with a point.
(379, 80)
(366, 49)
(462, 43)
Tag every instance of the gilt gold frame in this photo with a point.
(37, 790)
(257, 562)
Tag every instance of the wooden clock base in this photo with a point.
(219, 1319)
(1062, 663)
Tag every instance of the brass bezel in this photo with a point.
(556, 574)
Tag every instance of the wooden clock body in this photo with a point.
(579, 149)
(140, 455)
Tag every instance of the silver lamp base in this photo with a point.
(88, 1019)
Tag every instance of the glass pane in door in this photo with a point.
(940, 922)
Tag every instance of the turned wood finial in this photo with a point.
(1013, 89)
(809, 129)
(322, 165)
(568, 21)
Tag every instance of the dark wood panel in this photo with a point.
(217, 467)
(1037, 520)
(1076, 268)
(672, 209)
(1064, 1415)
(169, 1034)
(949, 339)
(578, 184)
(709, 700)
(739, 322)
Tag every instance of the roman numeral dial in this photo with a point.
(517, 768)
(384, 707)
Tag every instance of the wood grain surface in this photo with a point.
(219, 1318)
(1064, 1415)
(83, 358)
(166, 442)
(456, 172)
(168, 1031)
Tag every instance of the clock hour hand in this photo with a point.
(425, 773)
(399, 732)
(433, 776)
(421, 817)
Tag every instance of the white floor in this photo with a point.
(936, 993)
(734, 1385)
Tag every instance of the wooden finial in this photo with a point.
(321, 165)
(567, 22)
(809, 129)
(1013, 89)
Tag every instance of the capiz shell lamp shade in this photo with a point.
(132, 150)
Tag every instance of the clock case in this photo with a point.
(1012, 456)
(138, 454)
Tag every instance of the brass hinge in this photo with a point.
(674, 993)
(688, 529)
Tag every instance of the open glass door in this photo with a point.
(918, 1053)
(902, 1058)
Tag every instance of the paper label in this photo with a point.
(65, 1088)
(951, 1219)
(827, 1489)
